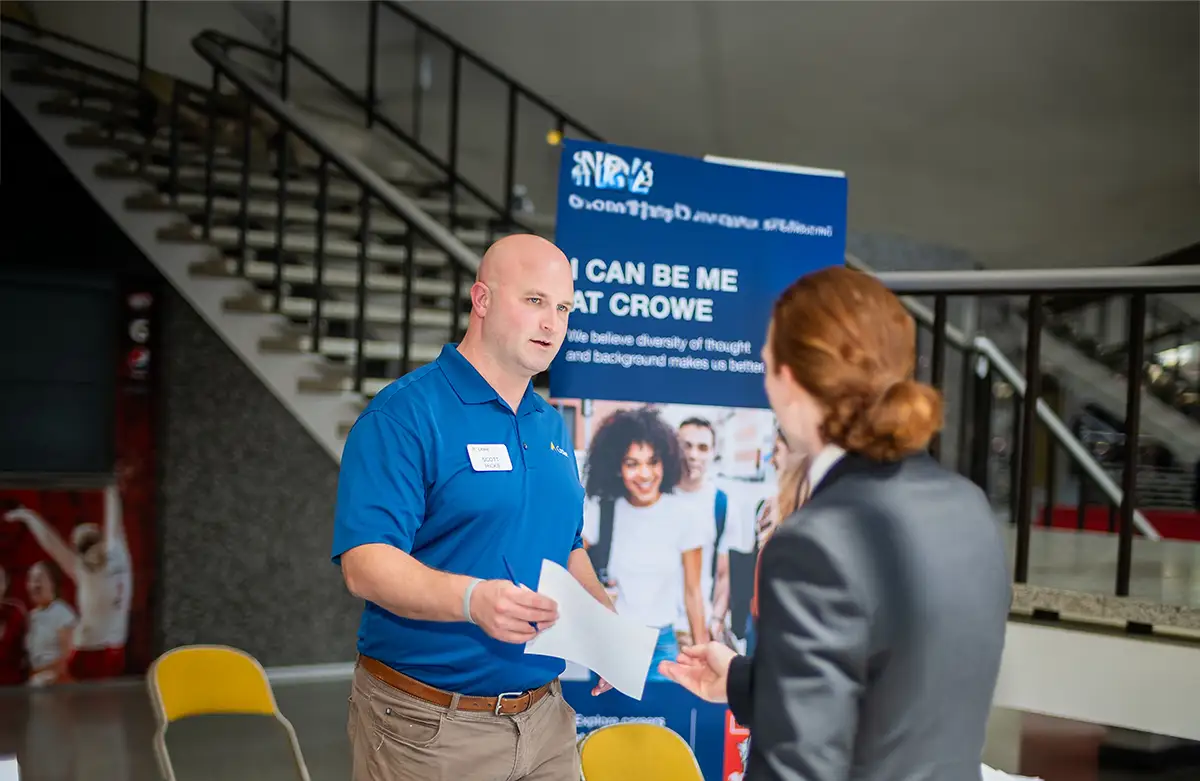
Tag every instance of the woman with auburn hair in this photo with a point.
(883, 599)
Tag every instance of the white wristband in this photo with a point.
(467, 599)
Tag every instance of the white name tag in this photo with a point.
(489, 458)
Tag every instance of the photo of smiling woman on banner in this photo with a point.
(645, 542)
(672, 492)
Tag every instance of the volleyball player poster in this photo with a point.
(676, 262)
(76, 551)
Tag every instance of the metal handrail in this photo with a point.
(1110, 279)
(414, 144)
(935, 281)
(208, 45)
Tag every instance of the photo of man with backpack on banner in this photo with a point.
(671, 491)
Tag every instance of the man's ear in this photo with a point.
(480, 298)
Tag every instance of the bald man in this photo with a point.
(456, 482)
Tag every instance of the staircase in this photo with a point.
(200, 180)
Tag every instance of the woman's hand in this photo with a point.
(702, 670)
(766, 522)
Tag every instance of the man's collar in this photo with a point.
(472, 388)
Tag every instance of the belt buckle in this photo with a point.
(500, 699)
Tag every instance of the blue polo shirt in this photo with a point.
(407, 480)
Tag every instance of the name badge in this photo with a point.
(489, 458)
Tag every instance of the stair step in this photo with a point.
(64, 107)
(193, 176)
(134, 144)
(45, 76)
(225, 158)
(379, 314)
(343, 347)
(371, 386)
(344, 383)
(227, 238)
(263, 272)
(263, 210)
(347, 194)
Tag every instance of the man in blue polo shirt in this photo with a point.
(457, 480)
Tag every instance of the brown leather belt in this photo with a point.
(506, 704)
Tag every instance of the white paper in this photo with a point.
(617, 649)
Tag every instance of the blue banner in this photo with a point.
(677, 261)
(700, 723)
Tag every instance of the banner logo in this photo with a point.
(607, 171)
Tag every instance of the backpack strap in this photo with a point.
(599, 552)
(722, 508)
(720, 511)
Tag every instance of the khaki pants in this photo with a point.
(397, 737)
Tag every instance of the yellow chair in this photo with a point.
(199, 680)
(636, 752)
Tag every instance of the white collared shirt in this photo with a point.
(822, 463)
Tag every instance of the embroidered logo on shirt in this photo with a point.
(559, 450)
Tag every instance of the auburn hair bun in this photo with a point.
(849, 342)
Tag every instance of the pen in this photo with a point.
(513, 577)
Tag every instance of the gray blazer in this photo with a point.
(882, 609)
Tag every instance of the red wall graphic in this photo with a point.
(77, 552)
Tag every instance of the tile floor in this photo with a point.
(104, 733)
(1167, 571)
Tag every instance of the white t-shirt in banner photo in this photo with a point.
(646, 553)
(732, 531)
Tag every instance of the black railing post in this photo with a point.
(244, 186)
(360, 321)
(281, 156)
(285, 49)
(372, 60)
(1051, 489)
(210, 152)
(938, 360)
(980, 417)
(319, 278)
(1033, 392)
(1081, 505)
(456, 307)
(173, 146)
(410, 264)
(418, 87)
(143, 36)
(281, 173)
(510, 154)
(452, 146)
(1133, 413)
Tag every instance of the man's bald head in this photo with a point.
(522, 295)
(517, 255)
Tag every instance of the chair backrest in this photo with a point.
(637, 752)
(209, 679)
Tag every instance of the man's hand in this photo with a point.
(702, 670)
(507, 612)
